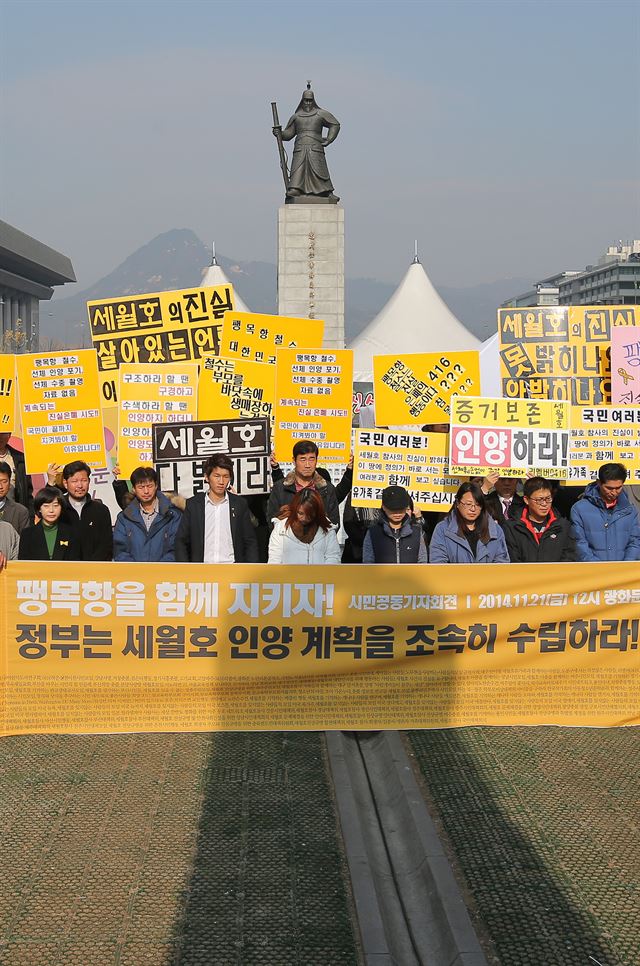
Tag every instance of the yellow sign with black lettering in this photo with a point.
(174, 647)
(417, 388)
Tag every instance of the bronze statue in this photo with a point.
(309, 181)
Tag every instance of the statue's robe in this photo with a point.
(309, 171)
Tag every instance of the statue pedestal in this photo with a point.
(311, 266)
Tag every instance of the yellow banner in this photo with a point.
(7, 393)
(418, 388)
(250, 335)
(560, 352)
(314, 393)
(252, 647)
(155, 328)
(512, 436)
(60, 405)
(604, 434)
(417, 461)
(148, 395)
(229, 388)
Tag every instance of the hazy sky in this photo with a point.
(505, 136)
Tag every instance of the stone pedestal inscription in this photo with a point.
(311, 266)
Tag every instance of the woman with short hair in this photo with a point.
(468, 534)
(303, 534)
(50, 538)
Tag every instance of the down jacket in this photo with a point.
(285, 548)
(603, 534)
(447, 546)
(132, 540)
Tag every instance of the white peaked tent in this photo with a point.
(213, 275)
(415, 319)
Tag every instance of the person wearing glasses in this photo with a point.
(468, 534)
(540, 535)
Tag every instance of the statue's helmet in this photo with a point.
(307, 96)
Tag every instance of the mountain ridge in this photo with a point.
(176, 259)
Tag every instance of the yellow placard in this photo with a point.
(511, 436)
(169, 647)
(250, 335)
(8, 393)
(155, 328)
(314, 394)
(417, 388)
(417, 461)
(604, 434)
(148, 395)
(60, 406)
(560, 352)
(229, 388)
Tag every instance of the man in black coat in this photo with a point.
(540, 535)
(216, 526)
(91, 518)
(304, 474)
(504, 503)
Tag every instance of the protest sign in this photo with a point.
(156, 328)
(625, 365)
(604, 434)
(314, 393)
(417, 388)
(148, 395)
(417, 461)
(229, 388)
(60, 406)
(176, 648)
(513, 437)
(180, 452)
(7, 393)
(560, 352)
(250, 335)
(362, 399)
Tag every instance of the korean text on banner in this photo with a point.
(180, 452)
(417, 388)
(512, 436)
(8, 393)
(230, 388)
(155, 328)
(314, 394)
(148, 395)
(249, 335)
(604, 434)
(560, 352)
(259, 648)
(60, 405)
(417, 461)
(625, 365)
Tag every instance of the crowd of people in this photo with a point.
(492, 520)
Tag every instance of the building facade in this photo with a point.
(615, 280)
(29, 271)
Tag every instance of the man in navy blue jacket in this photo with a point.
(605, 523)
(146, 530)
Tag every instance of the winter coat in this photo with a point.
(95, 530)
(190, 539)
(132, 541)
(9, 540)
(603, 534)
(383, 544)
(552, 545)
(16, 514)
(285, 548)
(447, 546)
(284, 491)
(23, 488)
(33, 543)
(494, 506)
